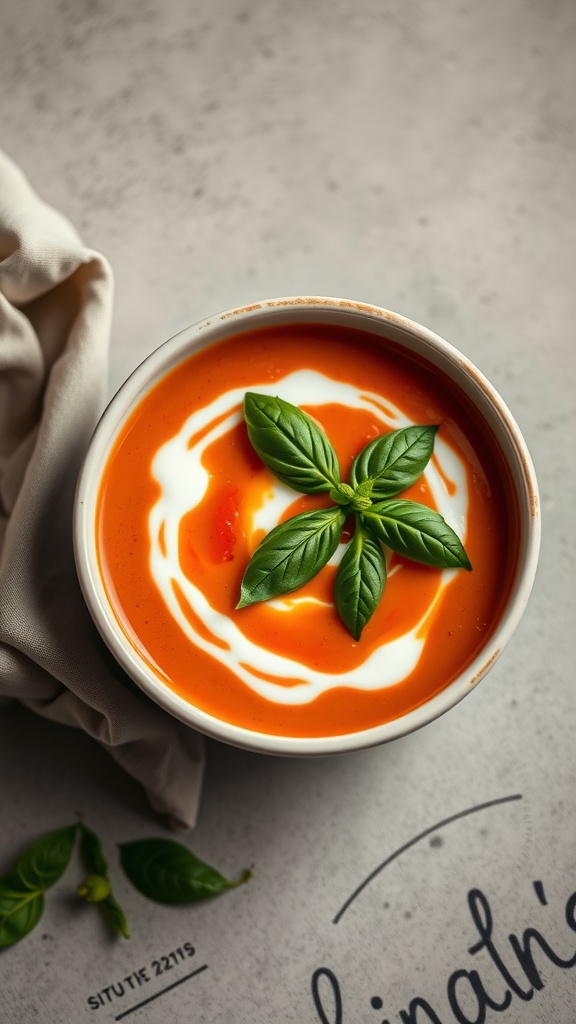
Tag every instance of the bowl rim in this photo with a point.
(409, 334)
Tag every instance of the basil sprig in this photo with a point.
(299, 453)
(159, 868)
(96, 887)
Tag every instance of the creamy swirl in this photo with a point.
(183, 481)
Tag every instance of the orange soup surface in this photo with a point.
(185, 500)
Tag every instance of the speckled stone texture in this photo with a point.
(421, 157)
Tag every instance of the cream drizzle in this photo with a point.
(183, 480)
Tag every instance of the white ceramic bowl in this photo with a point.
(381, 322)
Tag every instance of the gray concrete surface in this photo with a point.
(420, 156)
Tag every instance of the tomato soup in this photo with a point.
(185, 500)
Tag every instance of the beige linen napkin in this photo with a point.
(55, 307)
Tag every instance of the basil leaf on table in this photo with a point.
(360, 580)
(168, 872)
(92, 853)
(394, 461)
(98, 882)
(291, 554)
(162, 869)
(291, 444)
(417, 532)
(22, 890)
(20, 910)
(114, 916)
(43, 863)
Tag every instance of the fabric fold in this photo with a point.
(55, 311)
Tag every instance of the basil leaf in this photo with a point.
(291, 444)
(165, 871)
(394, 461)
(360, 580)
(417, 532)
(92, 854)
(97, 865)
(114, 916)
(43, 863)
(22, 891)
(291, 554)
(20, 910)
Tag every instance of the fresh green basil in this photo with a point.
(22, 890)
(168, 872)
(92, 853)
(43, 863)
(291, 444)
(342, 494)
(114, 916)
(20, 909)
(292, 554)
(161, 869)
(417, 532)
(360, 580)
(394, 461)
(299, 453)
(356, 499)
(96, 887)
